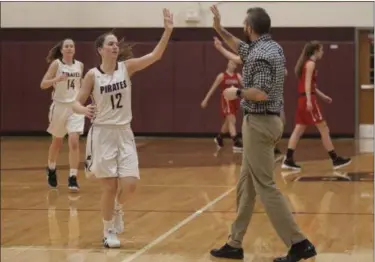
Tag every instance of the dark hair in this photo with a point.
(259, 20)
(308, 50)
(55, 52)
(125, 51)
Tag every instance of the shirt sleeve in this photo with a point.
(281, 52)
(243, 51)
(262, 75)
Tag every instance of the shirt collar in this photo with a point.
(265, 37)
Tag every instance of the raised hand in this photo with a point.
(218, 44)
(217, 17)
(168, 19)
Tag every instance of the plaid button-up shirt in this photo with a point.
(263, 68)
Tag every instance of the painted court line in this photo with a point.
(177, 227)
(22, 249)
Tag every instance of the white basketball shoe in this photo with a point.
(110, 239)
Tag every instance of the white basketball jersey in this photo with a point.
(67, 91)
(112, 96)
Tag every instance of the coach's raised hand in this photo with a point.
(232, 41)
(217, 17)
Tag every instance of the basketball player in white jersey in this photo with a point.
(64, 75)
(111, 154)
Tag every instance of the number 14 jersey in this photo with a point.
(111, 95)
(66, 91)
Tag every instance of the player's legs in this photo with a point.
(57, 118)
(75, 126)
(128, 173)
(126, 188)
(109, 191)
(277, 151)
(229, 111)
(53, 151)
(288, 162)
(231, 119)
(303, 119)
(111, 155)
(337, 161)
(219, 139)
(102, 149)
(73, 142)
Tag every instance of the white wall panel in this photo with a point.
(148, 14)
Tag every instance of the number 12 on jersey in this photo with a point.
(116, 101)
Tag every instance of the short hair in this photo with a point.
(259, 20)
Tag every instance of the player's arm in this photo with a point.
(49, 78)
(240, 79)
(310, 66)
(82, 67)
(229, 55)
(83, 95)
(214, 86)
(232, 41)
(323, 96)
(136, 64)
(320, 93)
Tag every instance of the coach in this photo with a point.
(262, 100)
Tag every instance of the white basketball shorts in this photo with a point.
(62, 120)
(111, 152)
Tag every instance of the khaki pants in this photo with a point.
(260, 135)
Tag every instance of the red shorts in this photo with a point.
(229, 107)
(305, 117)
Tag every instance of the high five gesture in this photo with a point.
(230, 40)
(136, 64)
(168, 19)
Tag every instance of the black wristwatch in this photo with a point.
(239, 93)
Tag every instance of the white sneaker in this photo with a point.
(110, 239)
(118, 221)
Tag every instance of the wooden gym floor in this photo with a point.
(183, 207)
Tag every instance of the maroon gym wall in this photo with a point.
(167, 96)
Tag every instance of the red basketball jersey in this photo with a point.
(301, 81)
(229, 107)
(230, 80)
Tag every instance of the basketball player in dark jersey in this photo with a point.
(229, 109)
(308, 111)
(236, 58)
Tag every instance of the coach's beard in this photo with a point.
(247, 37)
